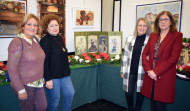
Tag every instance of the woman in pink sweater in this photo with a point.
(25, 66)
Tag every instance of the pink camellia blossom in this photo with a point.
(187, 44)
(183, 66)
(178, 66)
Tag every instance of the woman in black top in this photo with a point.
(132, 70)
(56, 65)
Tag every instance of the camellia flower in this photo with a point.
(183, 66)
(187, 68)
(107, 57)
(87, 61)
(112, 59)
(85, 54)
(77, 57)
(93, 54)
(117, 57)
(102, 53)
(187, 44)
(80, 60)
(98, 57)
(87, 58)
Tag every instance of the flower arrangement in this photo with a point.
(3, 67)
(94, 59)
(185, 69)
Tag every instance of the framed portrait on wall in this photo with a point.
(92, 44)
(150, 11)
(12, 13)
(114, 42)
(80, 45)
(103, 43)
(83, 18)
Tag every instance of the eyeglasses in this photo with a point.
(164, 19)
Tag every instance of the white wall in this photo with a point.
(128, 16)
(107, 15)
(90, 4)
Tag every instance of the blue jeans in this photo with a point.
(65, 86)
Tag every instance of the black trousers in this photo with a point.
(129, 94)
(156, 105)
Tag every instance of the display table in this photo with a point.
(100, 82)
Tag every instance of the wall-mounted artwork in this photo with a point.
(11, 14)
(184, 57)
(114, 44)
(80, 45)
(92, 44)
(103, 44)
(150, 11)
(83, 17)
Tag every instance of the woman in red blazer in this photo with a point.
(159, 61)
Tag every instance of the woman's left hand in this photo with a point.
(49, 84)
(152, 75)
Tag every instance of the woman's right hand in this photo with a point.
(49, 84)
(23, 96)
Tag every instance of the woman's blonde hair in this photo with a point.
(25, 20)
(149, 30)
(47, 19)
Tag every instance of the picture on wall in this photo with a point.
(11, 14)
(184, 57)
(150, 11)
(83, 17)
(103, 44)
(80, 45)
(114, 44)
(92, 44)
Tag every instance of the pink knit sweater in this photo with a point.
(24, 66)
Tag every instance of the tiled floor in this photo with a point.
(100, 105)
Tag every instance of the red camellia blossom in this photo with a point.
(87, 58)
(85, 54)
(2, 65)
(102, 53)
(187, 68)
(98, 57)
(107, 57)
(93, 54)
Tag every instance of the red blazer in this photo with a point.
(165, 68)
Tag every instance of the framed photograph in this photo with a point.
(80, 45)
(114, 44)
(150, 11)
(103, 43)
(83, 18)
(12, 13)
(92, 44)
(184, 57)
